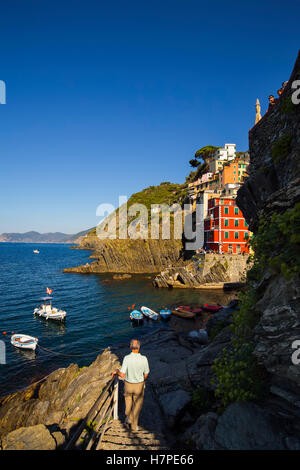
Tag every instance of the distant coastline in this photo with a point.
(36, 237)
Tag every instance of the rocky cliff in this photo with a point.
(269, 201)
(134, 255)
(42, 416)
(129, 256)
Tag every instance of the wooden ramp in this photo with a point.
(120, 437)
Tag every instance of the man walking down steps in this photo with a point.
(135, 370)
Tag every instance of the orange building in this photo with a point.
(232, 172)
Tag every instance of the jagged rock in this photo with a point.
(292, 443)
(201, 435)
(209, 271)
(29, 438)
(120, 277)
(272, 181)
(220, 319)
(173, 403)
(273, 186)
(63, 398)
(247, 426)
(129, 256)
(278, 327)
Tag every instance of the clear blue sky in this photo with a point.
(108, 97)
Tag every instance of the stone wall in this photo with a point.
(209, 270)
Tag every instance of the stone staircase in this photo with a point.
(120, 437)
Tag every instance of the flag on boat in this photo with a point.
(49, 291)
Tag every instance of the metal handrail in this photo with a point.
(93, 414)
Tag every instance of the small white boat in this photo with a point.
(35, 251)
(150, 313)
(24, 341)
(47, 311)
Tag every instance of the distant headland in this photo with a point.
(36, 237)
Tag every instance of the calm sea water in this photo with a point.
(96, 305)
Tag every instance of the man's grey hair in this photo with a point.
(135, 344)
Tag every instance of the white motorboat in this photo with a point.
(47, 311)
(24, 341)
(35, 251)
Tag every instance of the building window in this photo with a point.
(226, 235)
(236, 235)
(226, 210)
(238, 249)
(236, 210)
(246, 235)
(246, 225)
(226, 223)
(236, 223)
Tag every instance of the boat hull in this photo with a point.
(149, 313)
(182, 314)
(136, 316)
(165, 314)
(24, 342)
(212, 308)
(59, 315)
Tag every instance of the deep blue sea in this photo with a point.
(96, 306)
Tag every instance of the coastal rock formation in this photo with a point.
(210, 270)
(30, 438)
(129, 256)
(273, 187)
(58, 403)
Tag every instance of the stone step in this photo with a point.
(134, 434)
(108, 446)
(124, 440)
(120, 437)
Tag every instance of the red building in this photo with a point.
(225, 229)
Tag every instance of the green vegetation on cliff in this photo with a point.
(276, 248)
(165, 193)
(198, 162)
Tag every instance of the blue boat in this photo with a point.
(165, 314)
(136, 316)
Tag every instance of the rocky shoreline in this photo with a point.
(44, 415)
(209, 271)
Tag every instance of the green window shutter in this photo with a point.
(236, 235)
(236, 210)
(226, 235)
(226, 222)
(236, 223)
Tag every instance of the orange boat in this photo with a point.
(183, 313)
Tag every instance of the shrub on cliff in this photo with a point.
(276, 248)
(276, 245)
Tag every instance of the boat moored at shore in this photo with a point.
(24, 341)
(150, 313)
(136, 316)
(165, 314)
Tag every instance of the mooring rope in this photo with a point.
(56, 353)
